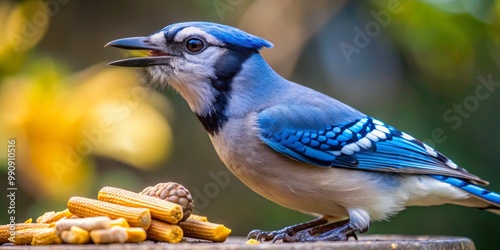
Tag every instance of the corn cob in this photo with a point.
(84, 207)
(87, 224)
(118, 234)
(162, 231)
(160, 209)
(52, 216)
(25, 236)
(198, 218)
(205, 230)
(76, 235)
(46, 236)
(114, 234)
(46, 217)
(135, 234)
(5, 230)
(62, 214)
(120, 222)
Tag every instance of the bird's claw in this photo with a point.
(281, 237)
(330, 232)
(261, 235)
(352, 235)
(301, 236)
(285, 233)
(305, 236)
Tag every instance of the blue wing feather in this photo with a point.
(364, 143)
(482, 193)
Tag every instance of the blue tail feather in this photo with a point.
(481, 193)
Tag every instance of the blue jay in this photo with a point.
(295, 146)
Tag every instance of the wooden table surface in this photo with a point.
(364, 242)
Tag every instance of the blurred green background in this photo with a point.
(421, 66)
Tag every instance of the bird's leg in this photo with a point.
(261, 235)
(337, 231)
(328, 227)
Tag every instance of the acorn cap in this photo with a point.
(173, 192)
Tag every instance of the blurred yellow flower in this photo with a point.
(23, 24)
(59, 120)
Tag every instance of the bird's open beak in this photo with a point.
(157, 57)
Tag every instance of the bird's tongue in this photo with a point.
(157, 53)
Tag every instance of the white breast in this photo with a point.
(296, 185)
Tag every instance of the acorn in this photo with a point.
(173, 192)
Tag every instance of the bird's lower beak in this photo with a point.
(158, 55)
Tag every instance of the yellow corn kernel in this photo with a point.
(205, 230)
(46, 217)
(85, 207)
(88, 224)
(114, 234)
(76, 235)
(120, 222)
(135, 234)
(252, 242)
(10, 231)
(46, 236)
(29, 220)
(52, 216)
(160, 209)
(62, 214)
(198, 217)
(162, 231)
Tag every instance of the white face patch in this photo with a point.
(191, 77)
(157, 38)
(193, 31)
(190, 74)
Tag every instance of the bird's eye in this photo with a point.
(194, 45)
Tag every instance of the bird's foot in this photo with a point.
(261, 235)
(329, 232)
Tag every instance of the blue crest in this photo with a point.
(226, 34)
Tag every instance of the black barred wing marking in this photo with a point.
(366, 144)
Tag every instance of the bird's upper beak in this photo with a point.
(158, 55)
